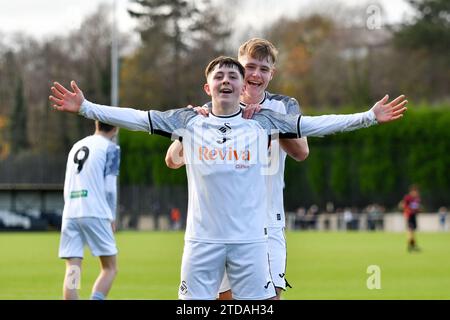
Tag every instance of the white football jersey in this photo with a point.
(226, 158)
(90, 161)
(275, 182)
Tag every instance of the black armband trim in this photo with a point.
(298, 126)
(150, 122)
(162, 133)
(288, 135)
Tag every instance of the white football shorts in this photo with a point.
(277, 259)
(204, 264)
(277, 256)
(96, 233)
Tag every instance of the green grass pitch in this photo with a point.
(320, 266)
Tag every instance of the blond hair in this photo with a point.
(259, 49)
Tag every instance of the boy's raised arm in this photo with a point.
(381, 112)
(74, 102)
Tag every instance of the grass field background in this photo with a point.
(320, 266)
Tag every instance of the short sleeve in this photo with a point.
(112, 160)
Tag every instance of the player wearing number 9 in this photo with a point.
(90, 209)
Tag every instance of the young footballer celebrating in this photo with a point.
(225, 155)
(258, 56)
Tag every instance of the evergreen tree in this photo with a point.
(172, 32)
(430, 29)
(19, 140)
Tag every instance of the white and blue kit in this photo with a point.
(276, 221)
(225, 156)
(90, 198)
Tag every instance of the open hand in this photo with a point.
(386, 112)
(65, 100)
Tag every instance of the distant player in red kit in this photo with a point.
(411, 207)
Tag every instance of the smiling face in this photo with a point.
(258, 74)
(225, 85)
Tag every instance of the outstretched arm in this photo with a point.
(74, 102)
(174, 155)
(381, 112)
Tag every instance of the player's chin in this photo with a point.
(255, 90)
(228, 97)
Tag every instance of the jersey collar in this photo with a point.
(238, 113)
(261, 102)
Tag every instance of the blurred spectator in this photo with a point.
(443, 218)
(311, 217)
(290, 220)
(329, 209)
(348, 219)
(374, 217)
(299, 218)
(340, 220)
(175, 218)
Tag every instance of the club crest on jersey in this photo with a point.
(224, 130)
(183, 288)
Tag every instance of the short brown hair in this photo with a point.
(104, 126)
(259, 49)
(224, 61)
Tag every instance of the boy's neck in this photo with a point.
(247, 99)
(223, 109)
(107, 135)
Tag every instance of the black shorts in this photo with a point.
(412, 222)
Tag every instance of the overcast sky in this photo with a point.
(44, 18)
